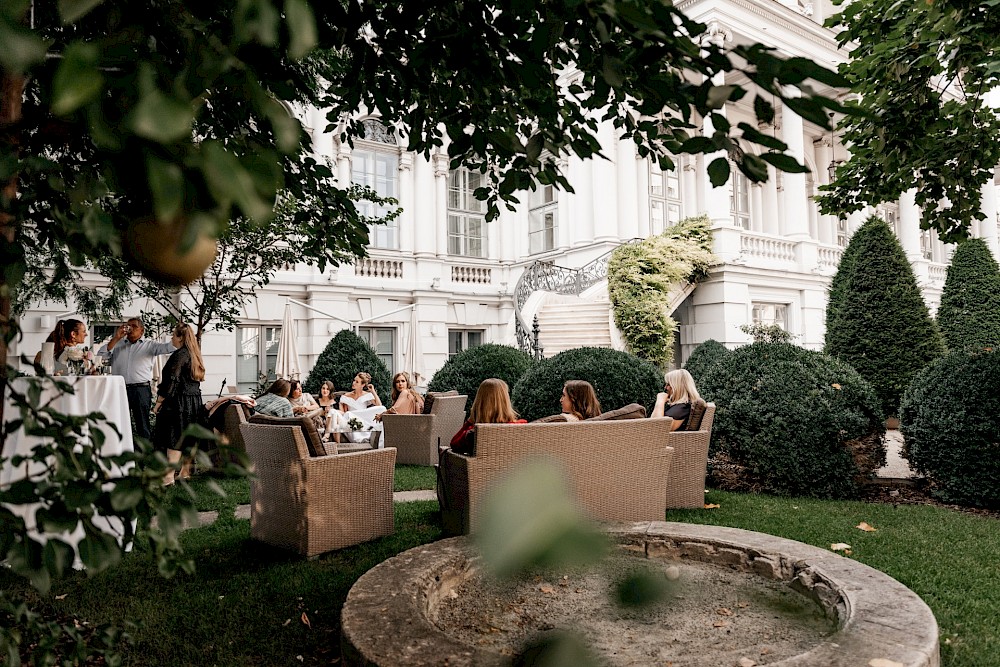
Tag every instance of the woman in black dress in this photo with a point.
(178, 400)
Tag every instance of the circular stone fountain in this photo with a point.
(740, 596)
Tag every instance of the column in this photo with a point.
(796, 215)
(823, 148)
(605, 198)
(909, 235)
(581, 210)
(344, 164)
(988, 225)
(405, 221)
(423, 206)
(627, 178)
(441, 203)
(716, 199)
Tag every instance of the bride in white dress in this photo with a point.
(362, 403)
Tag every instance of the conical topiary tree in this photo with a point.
(883, 328)
(835, 295)
(969, 314)
(344, 357)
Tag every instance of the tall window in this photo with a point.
(256, 355)
(926, 245)
(843, 235)
(542, 223)
(462, 339)
(771, 313)
(383, 341)
(890, 213)
(664, 196)
(739, 198)
(378, 170)
(466, 215)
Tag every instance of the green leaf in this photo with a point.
(166, 183)
(718, 171)
(56, 518)
(21, 48)
(719, 95)
(784, 162)
(72, 10)
(287, 130)
(77, 80)
(230, 182)
(763, 109)
(99, 551)
(57, 556)
(161, 118)
(127, 494)
(301, 28)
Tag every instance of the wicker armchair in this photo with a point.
(617, 470)
(316, 504)
(416, 437)
(686, 484)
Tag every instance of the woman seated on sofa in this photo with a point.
(579, 401)
(405, 399)
(302, 403)
(676, 398)
(274, 401)
(491, 406)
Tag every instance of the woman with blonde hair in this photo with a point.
(362, 403)
(491, 406)
(579, 401)
(679, 392)
(405, 399)
(178, 402)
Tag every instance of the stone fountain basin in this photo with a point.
(391, 616)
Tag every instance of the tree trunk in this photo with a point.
(11, 97)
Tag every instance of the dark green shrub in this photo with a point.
(346, 355)
(883, 328)
(470, 367)
(618, 378)
(969, 314)
(838, 286)
(704, 357)
(792, 421)
(950, 419)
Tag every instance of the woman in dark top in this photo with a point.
(676, 398)
(178, 397)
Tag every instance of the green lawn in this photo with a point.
(245, 603)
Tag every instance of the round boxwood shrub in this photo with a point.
(950, 419)
(470, 367)
(346, 355)
(704, 357)
(792, 421)
(618, 378)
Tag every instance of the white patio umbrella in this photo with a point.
(414, 358)
(287, 364)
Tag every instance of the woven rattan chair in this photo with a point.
(416, 437)
(316, 504)
(686, 484)
(617, 470)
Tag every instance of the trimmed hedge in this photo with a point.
(618, 378)
(969, 314)
(791, 421)
(704, 357)
(883, 328)
(950, 419)
(346, 355)
(467, 369)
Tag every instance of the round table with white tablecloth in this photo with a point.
(91, 393)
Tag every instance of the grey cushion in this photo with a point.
(550, 419)
(630, 411)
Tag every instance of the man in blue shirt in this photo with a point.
(133, 360)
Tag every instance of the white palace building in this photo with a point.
(439, 279)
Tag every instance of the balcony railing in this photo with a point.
(371, 267)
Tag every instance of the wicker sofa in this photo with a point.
(616, 469)
(417, 437)
(314, 504)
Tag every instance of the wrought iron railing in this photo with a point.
(548, 277)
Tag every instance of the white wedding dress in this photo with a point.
(362, 409)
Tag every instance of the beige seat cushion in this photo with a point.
(309, 432)
(630, 411)
(550, 419)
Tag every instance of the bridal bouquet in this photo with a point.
(79, 359)
(355, 424)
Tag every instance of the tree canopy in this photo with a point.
(922, 73)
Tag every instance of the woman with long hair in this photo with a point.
(302, 402)
(679, 392)
(362, 404)
(579, 401)
(67, 333)
(491, 406)
(405, 399)
(274, 401)
(178, 397)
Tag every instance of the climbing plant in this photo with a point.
(641, 277)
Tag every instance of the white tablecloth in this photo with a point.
(97, 393)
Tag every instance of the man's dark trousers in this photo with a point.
(140, 400)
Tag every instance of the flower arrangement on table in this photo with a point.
(355, 424)
(79, 359)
